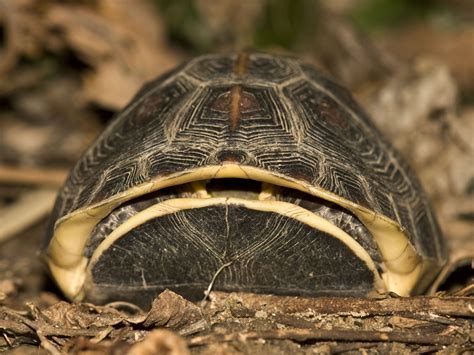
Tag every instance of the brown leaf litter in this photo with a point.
(243, 318)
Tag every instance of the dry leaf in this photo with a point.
(123, 42)
(83, 315)
(23, 32)
(160, 341)
(173, 311)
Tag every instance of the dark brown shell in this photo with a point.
(289, 119)
(116, 232)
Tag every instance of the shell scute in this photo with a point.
(272, 69)
(212, 67)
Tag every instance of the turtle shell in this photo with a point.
(247, 172)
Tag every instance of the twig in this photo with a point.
(302, 335)
(430, 349)
(102, 335)
(32, 176)
(7, 339)
(33, 327)
(14, 327)
(465, 291)
(445, 306)
(344, 347)
(29, 209)
(433, 318)
(211, 284)
(46, 344)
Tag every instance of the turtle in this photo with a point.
(248, 172)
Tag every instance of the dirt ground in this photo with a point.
(67, 66)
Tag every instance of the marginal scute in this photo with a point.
(272, 69)
(211, 67)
